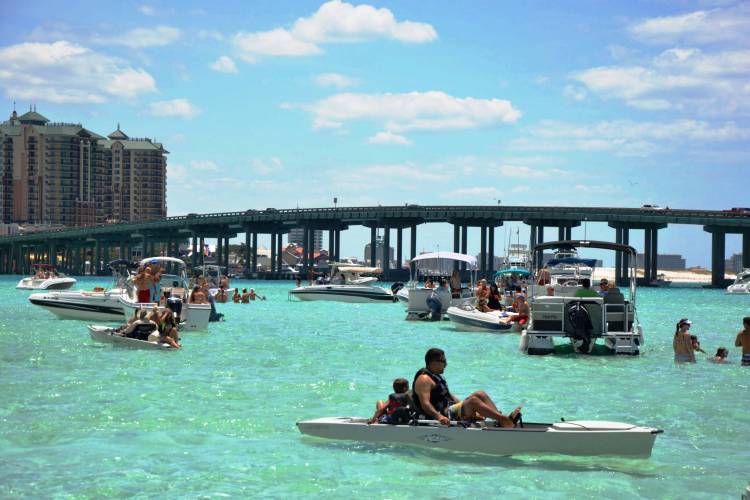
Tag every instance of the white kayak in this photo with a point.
(469, 318)
(575, 437)
(107, 335)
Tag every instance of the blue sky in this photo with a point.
(285, 104)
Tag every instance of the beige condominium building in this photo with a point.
(63, 173)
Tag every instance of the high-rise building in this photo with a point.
(734, 263)
(297, 236)
(670, 261)
(63, 173)
(379, 250)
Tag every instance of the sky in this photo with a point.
(291, 103)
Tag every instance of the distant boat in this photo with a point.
(741, 284)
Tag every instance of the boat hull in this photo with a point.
(87, 306)
(194, 317)
(477, 321)
(106, 335)
(343, 293)
(583, 438)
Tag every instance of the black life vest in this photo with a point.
(440, 397)
(399, 409)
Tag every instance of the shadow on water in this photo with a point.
(637, 468)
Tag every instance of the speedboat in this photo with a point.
(466, 317)
(347, 284)
(574, 437)
(433, 264)
(96, 305)
(584, 320)
(174, 282)
(109, 335)
(662, 281)
(45, 278)
(741, 284)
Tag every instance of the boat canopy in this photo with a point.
(358, 269)
(160, 259)
(469, 259)
(572, 244)
(512, 270)
(573, 261)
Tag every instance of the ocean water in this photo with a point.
(217, 418)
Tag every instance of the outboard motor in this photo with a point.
(175, 304)
(396, 287)
(214, 316)
(580, 327)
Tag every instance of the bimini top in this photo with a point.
(604, 245)
(572, 260)
(358, 269)
(512, 270)
(469, 259)
(122, 262)
(160, 259)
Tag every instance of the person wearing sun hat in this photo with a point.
(684, 351)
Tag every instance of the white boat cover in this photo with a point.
(469, 259)
(150, 260)
(358, 269)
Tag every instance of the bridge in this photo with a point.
(68, 247)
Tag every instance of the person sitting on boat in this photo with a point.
(743, 340)
(455, 284)
(550, 290)
(142, 282)
(141, 328)
(483, 296)
(397, 409)
(586, 290)
(720, 356)
(493, 302)
(429, 283)
(544, 276)
(682, 344)
(523, 312)
(603, 287)
(197, 296)
(433, 400)
(167, 331)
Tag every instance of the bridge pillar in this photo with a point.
(273, 250)
(618, 257)
(482, 251)
(337, 253)
(647, 249)
(654, 253)
(279, 246)
(464, 243)
(491, 252)
(718, 251)
(194, 251)
(746, 249)
(456, 242)
(413, 241)
(305, 245)
(226, 254)
(331, 244)
(386, 250)
(539, 240)
(373, 242)
(219, 251)
(399, 248)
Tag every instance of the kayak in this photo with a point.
(575, 437)
(106, 334)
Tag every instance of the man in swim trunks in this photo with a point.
(743, 340)
(433, 400)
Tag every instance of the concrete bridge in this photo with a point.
(71, 245)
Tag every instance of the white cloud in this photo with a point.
(475, 191)
(211, 35)
(176, 172)
(702, 27)
(334, 22)
(266, 167)
(175, 108)
(224, 64)
(388, 137)
(147, 10)
(681, 79)
(628, 138)
(64, 72)
(141, 38)
(205, 165)
(400, 113)
(335, 80)
(574, 92)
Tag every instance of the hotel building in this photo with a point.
(63, 173)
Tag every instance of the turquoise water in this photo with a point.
(217, 418)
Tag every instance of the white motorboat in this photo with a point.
(661, 281)
(466, 317)
(741, 284)
(95, 305)
(415, 296)
(584, 320)
(565, 272)
(193, 317)
(108, 335)
(45, 278)
(347, 284)
(575, 437)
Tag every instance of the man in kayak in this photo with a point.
(433, 400)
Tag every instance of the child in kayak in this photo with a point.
(397, 409)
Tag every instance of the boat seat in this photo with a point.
(615, 315)
(547, 314)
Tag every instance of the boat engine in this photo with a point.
(436, 306)
(175, 304)
(396, 287)
(580, 327)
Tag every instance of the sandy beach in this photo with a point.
(684, 276)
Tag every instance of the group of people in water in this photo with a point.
(686, 344)
(430, 399)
